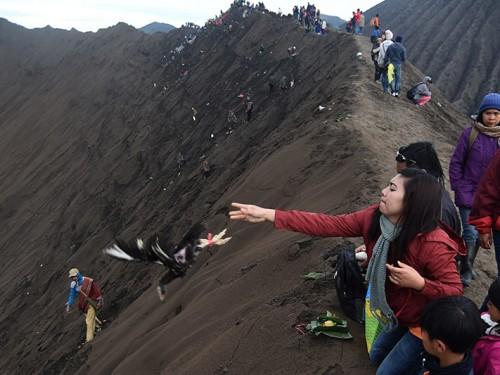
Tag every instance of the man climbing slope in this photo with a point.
(90, 299)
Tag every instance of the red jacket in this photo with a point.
(431, 254)
(90, 288)
(485, 214)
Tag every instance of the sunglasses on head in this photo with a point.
(403, 159)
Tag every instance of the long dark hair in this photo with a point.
(421, 211)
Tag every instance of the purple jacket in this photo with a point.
(468, 166)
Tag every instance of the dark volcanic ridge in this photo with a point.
(91, 128)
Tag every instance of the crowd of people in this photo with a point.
(420, 248)
(309, 17)
(357, 22)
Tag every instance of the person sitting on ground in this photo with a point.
(396, 55)
(486, 352)
(423, 155)
(450, 327)
(90, 299)
(485, 213)
(403, 237)
(475, 149)
(420, 93)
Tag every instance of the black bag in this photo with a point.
(350, 286)
(410, 94)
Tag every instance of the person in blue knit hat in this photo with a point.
(475, 149)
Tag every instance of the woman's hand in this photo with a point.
(251, 213)
(485, 240)
(406, 276)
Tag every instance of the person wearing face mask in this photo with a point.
(474, 151)
(411, 259)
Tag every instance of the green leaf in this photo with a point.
(337, 335)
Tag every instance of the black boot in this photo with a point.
(467, 264)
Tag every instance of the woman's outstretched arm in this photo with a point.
(251, 213)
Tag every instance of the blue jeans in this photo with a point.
(469, 233)
(383, 79)
(396, 83)
(496, 242)
(397, 352)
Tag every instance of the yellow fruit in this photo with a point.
(328, 323)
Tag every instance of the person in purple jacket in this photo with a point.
(476, 147)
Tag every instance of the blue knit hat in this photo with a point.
(490, 101)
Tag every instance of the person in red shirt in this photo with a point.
(411, 258)
(485, 214)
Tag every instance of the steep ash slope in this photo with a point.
(89, 147)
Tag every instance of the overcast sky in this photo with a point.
(91, 15)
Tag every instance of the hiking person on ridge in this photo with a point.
(475, 149)
(90, 299)
(386, 43)
(396, 55)
(357, 20)
(361, 22)
(376, 40)
(375, 21)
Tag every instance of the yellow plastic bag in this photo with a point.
(372, 326)
(390, 73)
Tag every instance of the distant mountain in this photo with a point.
(157, 27)
(334, 21)
(452, 41)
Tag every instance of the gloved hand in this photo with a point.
(67, 308)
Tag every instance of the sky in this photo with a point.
(91, 15)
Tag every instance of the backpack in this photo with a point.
(472, 138)
(410, 94)
(349, 283)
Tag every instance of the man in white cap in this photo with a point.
(90, 299)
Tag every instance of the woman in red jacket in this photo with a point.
(405, 243)
(485, 214)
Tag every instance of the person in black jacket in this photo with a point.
(423, 155)
(396, 55)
